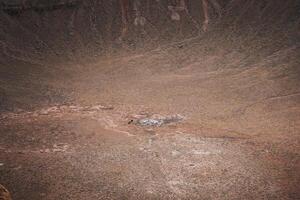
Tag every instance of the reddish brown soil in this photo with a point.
(239, 139)
(65, 132)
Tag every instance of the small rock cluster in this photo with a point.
(158, 120)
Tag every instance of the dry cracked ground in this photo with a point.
(238, 139)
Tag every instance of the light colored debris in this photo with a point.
(60, 147)
(158, 120)
(176, 153)
(56, 110)
(45, 151)
(100, 107)
(201, 152)
(150, 122)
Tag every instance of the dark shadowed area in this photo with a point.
(144, 99)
